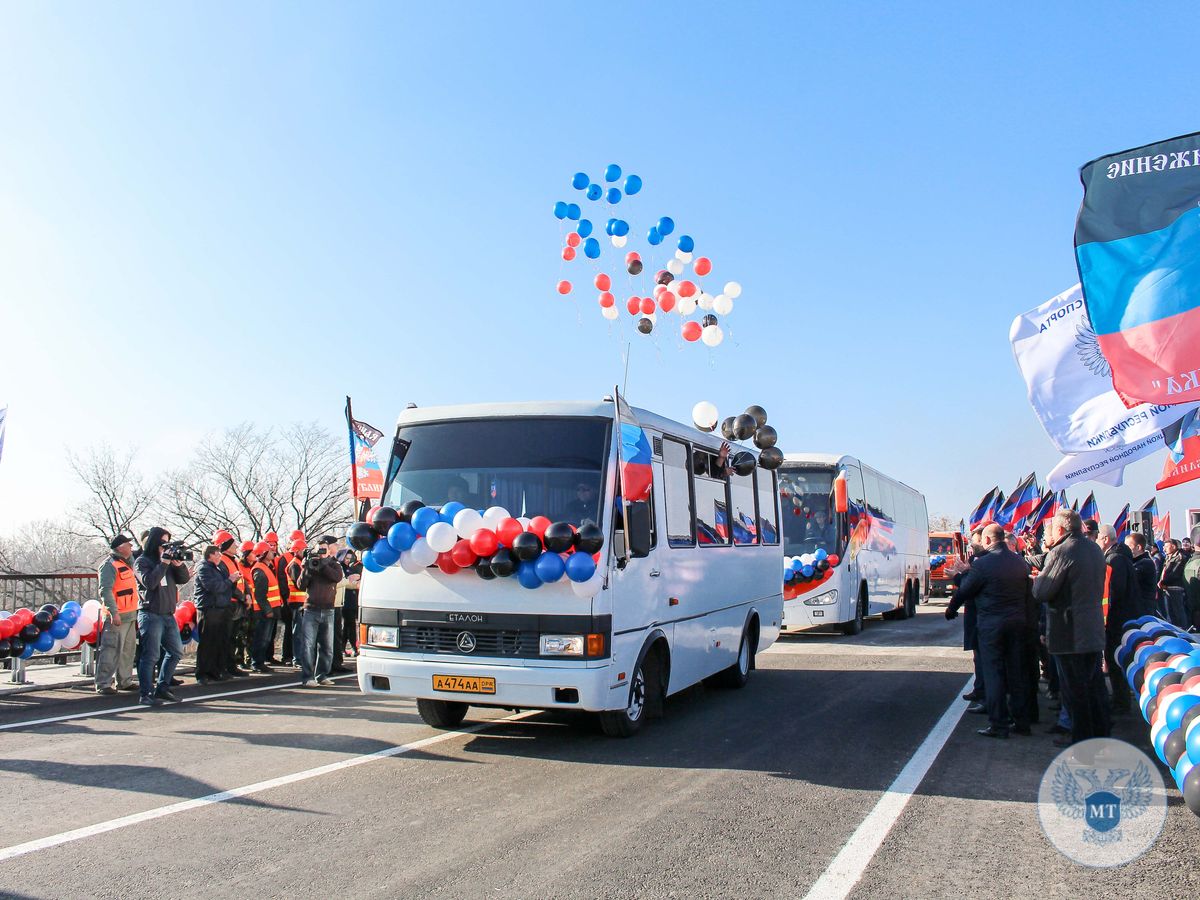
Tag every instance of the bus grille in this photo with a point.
(444, 639)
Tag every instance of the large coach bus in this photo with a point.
(689, 592)
(874, 531)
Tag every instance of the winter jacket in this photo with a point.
(1172, 573)
(159, 580)
(1072, 587)
(998, 583)
(1191, 578)
(214, 589)
(320, 579)
(1145, 576)
(1123, 595)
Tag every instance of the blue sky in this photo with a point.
(218, 212)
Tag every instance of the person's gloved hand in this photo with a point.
(951, 613)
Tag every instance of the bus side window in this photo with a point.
(677, 494)
(768, 513)
(742, 518)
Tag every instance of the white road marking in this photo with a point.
(95, 714)
(839, 879)
(150, 815)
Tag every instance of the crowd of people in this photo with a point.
(257, 607)
(1055, 610)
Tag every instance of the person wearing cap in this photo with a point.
(320, 578)
(292, 614)
(118, 603)
(280, 566)
(267, 601)
(161, 649)
(243, 633)
(214, 597)
(225, 542)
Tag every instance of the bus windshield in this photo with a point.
(806, 497)
(942, 546)
(531, 467)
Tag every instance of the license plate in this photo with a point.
(818, 613)
(464, 684)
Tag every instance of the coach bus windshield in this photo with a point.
(806, 501)
(531, 467)
(943, 546)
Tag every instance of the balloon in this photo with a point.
(425, 518)
(606, 300)
(573, 239)
(507, 531)
(712, 335)
(590, 539)
(759, 414)
(765, 436)
(423, 553)
(560, 210)
(410, 563)
(613, 195)
(59, 629)
(591, 248)
(685, 243)
(619, 241)
(27, 650)
(409, 509)
(631, 256)
(648, 306)
(384, 553)
(684, 258)
(691, 331)
(603, 282)
(612, 172)
(5, 648)
(503, 563)
(705, 301)
(441, 537)
(635, 267)
(72, 640)
(772, 458)
(527, 546)
(579, 567)
(580, 181)
(538, 525)
(610, 313)
(732, 289)
(462, 554)
(559, 537)
(687, 306)
(621, 229)
(584, 228)
(42, 620)
(484, 542)
(549, 567)
(590, 588)
(702, 265)
(634, 305)
(704, 416)
(744, 426)
(43, 642)
(467, 522)
(446, 564)
(666, 302)
(743, 463)
(574, 212)
(568, 253)
(450, 510)
(645, 325)
(564, 287)
(633, 184)
(483, 568)
(722, 305)
(594, 192)
(382, 518)
(665, 225)
(653, 237)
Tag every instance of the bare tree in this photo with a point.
(942, 523)
(119, 495)
(48, 547)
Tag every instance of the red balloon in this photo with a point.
(631, 256)
(507, 531)
(634, 305)
(538, 525)
(666, 301)
(834, 559)
(564, 287)
(607, 300)
(691, 331)
(484, 542)
(446, 564)
(685, 289)
(462, 554)
(572, 239)
(568, 253)
(658, 289)
(603, 282)
(703, 265)
(648, 306)
(6, 629)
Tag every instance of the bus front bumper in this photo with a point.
(797, 614)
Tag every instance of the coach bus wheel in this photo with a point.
(854, 626)
(626, 722)
(442, 713)
(738, 674)
(910, 600)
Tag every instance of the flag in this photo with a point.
(1104, 466)
(1173, 435)
(637, 477)
(1069, 382)
(3, 418)
(1122, 523)
(1028, 499)
(1090, 510)
(1075, 505)
(1046, 509)
(1183, 462)
(989, 515)
(1006, 515)
(1137, 245)
(1151, 506)
(1166, 528)
(977, 516)
(366, 476)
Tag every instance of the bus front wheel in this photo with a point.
(855, 625)
(442, 713)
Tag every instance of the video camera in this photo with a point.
(174, 551)
(314, 554)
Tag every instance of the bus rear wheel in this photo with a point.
(442, 713)
(738, 674)
(911, 599)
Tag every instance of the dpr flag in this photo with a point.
(1187, 466)
(366, 476)
(1137, 245)
(1028, 499)
(1121, 524)
(1090, 509)
(1104, 466)
(977, 516)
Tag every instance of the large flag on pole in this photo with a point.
(1121, 524)
(1069, 381)
(1183, 463)
(637, 476)
(1104, 466)
(1137, 244)
(989, 515)
(977, 516)
(366, 477)
(1022, 495)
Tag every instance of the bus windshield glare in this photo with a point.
(806, 497)
(531, 467)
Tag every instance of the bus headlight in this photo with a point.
(382, 636)
(826, 599)
(561, 645)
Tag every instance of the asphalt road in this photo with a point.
(748, 793)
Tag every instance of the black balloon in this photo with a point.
(51, 610)
(559, 537)
(727, 430)
(710, 319)
(765, 437)
(42, 620)
(503, 563)
(1174, 746)
(30, 632)
(1190, 716)
(483, 568)
(645, 326)
(5, 648)
(1191, 789)
(590, 539)
(760, 415)
(361, 536)
(409, 509)
(821, 565)
(663, 277)
(383, 519)
(15, 646)
(527, 546)
(742, 462)
(744, 426)
(635, 267)
(771, 458)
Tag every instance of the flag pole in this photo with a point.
(353, 460)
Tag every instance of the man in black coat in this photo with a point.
(1145, 574)
(998, 586)
(1122, 606)
(970, 636)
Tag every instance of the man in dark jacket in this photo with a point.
(1170, 582)
(998, 585)
(1122, 606)
(320, 578)
(159, 580)
(1145, 575)
(1072, 587)
(970, 637)
(214, 603)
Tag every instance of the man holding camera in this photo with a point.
(160, 571)
(320, 577)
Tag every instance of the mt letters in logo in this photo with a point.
(1102, 803)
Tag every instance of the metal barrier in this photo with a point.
(35, 591)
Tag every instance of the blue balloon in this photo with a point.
(821, 553)
(633, 184)
(653, 237)
(591, 248)
(425, 518)
(574, 212)
(788, 575)
(369, 563)
(613, 195)
(666, 225)
(797, 565)
(28, 651)
(1193, 744)
(686, 244)
(807, 571)
(385, 554)
(1176, 645)
(70, 604)
(580, 181)
(560, 210)
(595, 192)
(401, 537)
(43, 642)
(59, 628)
(450, 510)
(621, 228)
(584, 228)
(527, 575)
(580, 567)
(612, 173)
(549, 567)
(70, 616)
(1178, 705)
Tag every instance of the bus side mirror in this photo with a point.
(637, 531)
(841, 503)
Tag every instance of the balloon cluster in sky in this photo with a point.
(675, 289)
(752, 424)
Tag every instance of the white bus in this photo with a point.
(877, 537)
(683, 597)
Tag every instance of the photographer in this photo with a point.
(320, 577)
(214, 602)
(160, 571)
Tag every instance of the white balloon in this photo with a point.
(590, 588)
(72, 640)
(467, 522)
(706, 301)
(712, 335)
(722, 305)
(620, 240)
(684, 258)
(733, 289)
(704, 416)
(441, 537)
(423, 553)
(687, 306)
(493, 516)
(675, 267)
(610, 313)
(525, 521)
(410, 564)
